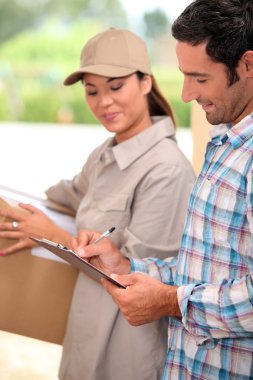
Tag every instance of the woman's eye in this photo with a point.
(92, 93)
(116, 87)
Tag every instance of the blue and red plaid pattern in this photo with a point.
(214, 269)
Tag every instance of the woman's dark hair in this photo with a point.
(157, 103)
(225, 25)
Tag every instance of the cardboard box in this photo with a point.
(35, 292)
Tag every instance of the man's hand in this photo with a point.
(145, 299)
(103, 255)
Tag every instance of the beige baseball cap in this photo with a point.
(113, 53)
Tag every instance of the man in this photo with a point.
(207, 292)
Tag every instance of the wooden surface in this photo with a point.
(200, 136)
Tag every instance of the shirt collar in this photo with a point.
(130, 150)
(236, 135)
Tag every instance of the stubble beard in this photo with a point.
(216, 118)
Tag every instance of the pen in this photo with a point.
(106, 233)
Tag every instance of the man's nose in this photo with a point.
(189, 91)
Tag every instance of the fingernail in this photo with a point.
(2, 253)
(81, 252)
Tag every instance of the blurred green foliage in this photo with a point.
(34, 65)
(19, 15)
(170, 82)
(156, 23)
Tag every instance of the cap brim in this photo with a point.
(103, 70)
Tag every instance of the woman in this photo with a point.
(138, 181)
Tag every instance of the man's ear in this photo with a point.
(248, 61)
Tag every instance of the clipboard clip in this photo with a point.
(57, 245)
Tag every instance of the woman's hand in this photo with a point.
(24, 222)
(103, 255)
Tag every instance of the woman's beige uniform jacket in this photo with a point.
(140, 186)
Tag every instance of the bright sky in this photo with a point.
(171, 7)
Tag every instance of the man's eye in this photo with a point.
(201, 80)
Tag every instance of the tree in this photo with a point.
(18, 15)
(156, 23)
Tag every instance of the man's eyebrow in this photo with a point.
(194, 73)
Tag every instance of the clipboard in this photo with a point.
(72, 258)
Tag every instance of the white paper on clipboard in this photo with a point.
(72, 258)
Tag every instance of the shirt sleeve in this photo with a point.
(68, 192)
(158, 213)
(224, 310)
(162, 270)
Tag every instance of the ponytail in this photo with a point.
(157, 103)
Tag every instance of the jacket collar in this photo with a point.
(130, 150)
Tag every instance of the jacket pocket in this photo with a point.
(114, 203)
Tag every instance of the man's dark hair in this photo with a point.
(225, 25)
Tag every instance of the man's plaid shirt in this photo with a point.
(214, 269)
